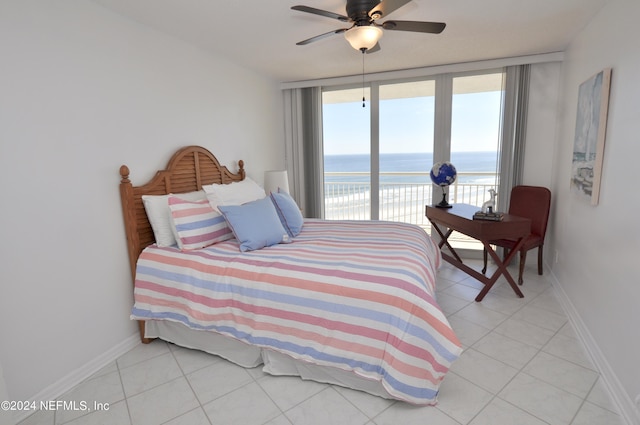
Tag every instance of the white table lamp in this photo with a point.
(276, 179)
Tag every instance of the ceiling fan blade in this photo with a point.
(385, 7)
(321, 36)
(321, 13)
(415, 26)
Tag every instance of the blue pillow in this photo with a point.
(255, 224)
(289, 212)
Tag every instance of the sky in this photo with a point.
(406, 125)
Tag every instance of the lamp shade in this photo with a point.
(363, 37)
(276, 179)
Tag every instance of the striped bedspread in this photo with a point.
(355, 295)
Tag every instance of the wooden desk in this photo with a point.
(459, 218)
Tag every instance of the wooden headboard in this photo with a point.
(188, 169)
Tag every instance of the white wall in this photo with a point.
(83, 91)
(6, 417)
(598, 246)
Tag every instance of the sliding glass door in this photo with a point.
(346, 134)
(405, 149)
(378, 158)
(475, 132)
(476, 117)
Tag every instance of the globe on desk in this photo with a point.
(443, 174)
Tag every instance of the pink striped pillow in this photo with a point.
(196, 224)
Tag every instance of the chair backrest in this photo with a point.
(532, 202)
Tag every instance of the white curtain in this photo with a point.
(514, 126)
(303, 148)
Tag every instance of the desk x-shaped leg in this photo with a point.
(502, 270)
(444, 240)
(488, 282)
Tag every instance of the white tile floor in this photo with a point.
(522, 365)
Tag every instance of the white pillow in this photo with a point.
(236, 193)
(159, 214)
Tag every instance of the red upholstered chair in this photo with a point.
(531, 202)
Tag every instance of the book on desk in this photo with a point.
(488, 216)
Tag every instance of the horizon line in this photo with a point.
(401, 153)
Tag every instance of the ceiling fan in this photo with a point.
(364, 32)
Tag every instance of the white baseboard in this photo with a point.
(58, 388)
(619, 396)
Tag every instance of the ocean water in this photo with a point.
(467, 162)
(402, 197)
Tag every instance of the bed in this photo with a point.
(350, 303)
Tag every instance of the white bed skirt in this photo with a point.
(245, 355)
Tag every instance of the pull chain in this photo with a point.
(363, 51)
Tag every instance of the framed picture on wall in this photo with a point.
(591, 126)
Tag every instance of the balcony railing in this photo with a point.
(402, 195)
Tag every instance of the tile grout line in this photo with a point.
(124, 394)
(190, 387)
(541, 350)
(520, 370)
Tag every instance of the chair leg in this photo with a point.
(540, 260)
(523, 259)
(505, 254)
(484, 258)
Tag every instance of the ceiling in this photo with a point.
(261, 34)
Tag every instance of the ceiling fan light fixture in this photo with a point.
(363, 37)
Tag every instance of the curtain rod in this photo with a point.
(427, 71)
